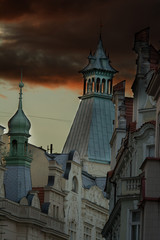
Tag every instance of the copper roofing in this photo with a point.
(19, 123)
(99, 60)
(92, 129)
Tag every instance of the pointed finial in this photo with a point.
(21, 85)
(101, 25)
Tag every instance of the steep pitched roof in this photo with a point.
(99, 60)
(92, 129)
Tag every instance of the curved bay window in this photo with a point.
(74, 184)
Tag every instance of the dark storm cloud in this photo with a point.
(50, 39)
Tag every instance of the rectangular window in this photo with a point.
(134, 225)
(98, 235)
(150, 151)
(87, 233)
(55, 211)
(72, 231)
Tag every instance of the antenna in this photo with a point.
(101, 25)
(21, 74)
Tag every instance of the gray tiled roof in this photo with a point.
(61, 159)
(15, 175)
(89, 181)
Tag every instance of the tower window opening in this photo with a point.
(89, 88)
(103, 85)
(98, 85)
(14, 147)
(109, 90)
(84, 89)
(25, 147)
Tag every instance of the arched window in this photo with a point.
(14, 147)
(74, 184)
(103, 85)
(93, 85)
(109, 90)
(89, 88)
(98, 85)
(84, 89)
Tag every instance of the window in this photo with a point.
(14, 147)
(103, 85)
(98, 235)
(98, 85)
(72, 230)
(150, 151)
(55, 211)
(134, 225)
(87, 233)
(25, 147)
(74, 185)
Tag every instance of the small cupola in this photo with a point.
(19, 123)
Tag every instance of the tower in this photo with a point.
(92, 128)
(17, 175)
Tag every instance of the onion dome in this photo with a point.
(19, 123)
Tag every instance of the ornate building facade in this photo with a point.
(129, 181)
(22, 217)
(61, 196)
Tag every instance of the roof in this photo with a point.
(154, 58)
(99, 60)
(92, 129)
(142, 35)
(19, 123)
(89, 181)
(119, 86)
(61, 159)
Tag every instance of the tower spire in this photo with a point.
(100, 34)
(21, 85)
(18, 176)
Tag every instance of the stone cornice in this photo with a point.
(99, 95)
(94, 206)
(30, 215)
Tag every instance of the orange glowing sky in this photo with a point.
(50, 41)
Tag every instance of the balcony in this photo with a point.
(130, 185)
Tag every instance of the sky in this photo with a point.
(50, 40)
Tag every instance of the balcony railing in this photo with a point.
(130, 185)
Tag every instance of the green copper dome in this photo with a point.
(19, 123)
